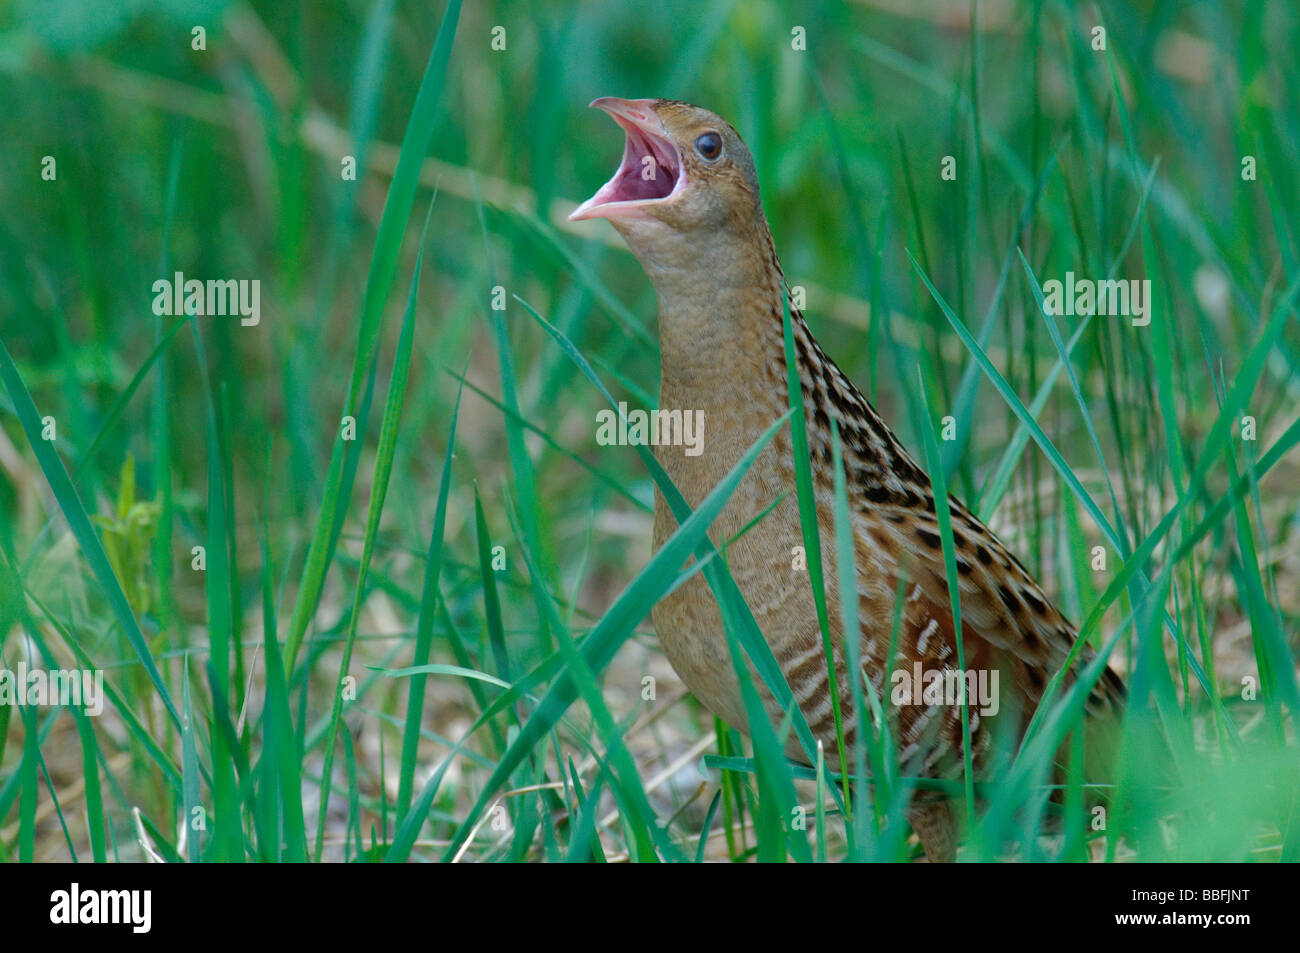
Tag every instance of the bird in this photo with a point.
(686, 201)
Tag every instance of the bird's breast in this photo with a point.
(764, 558)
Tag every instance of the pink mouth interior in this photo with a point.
(630, 183)
(651, 171)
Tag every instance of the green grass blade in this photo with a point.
(56, 475)
(379, 491)
(615, 627)
(943, 515)
(383, 267)
(424, 623)
(809, 525)
(189, 774)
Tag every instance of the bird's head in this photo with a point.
(685, 178)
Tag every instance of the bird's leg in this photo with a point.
(936, 826)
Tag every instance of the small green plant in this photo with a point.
(128, 535)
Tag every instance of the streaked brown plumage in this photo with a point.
(697, 226)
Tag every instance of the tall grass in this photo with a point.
(339, 628)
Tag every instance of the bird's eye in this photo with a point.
(709, 145)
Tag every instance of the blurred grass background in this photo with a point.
(226, 162)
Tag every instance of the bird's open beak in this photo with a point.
(651, 170)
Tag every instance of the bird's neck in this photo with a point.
(719, 314)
